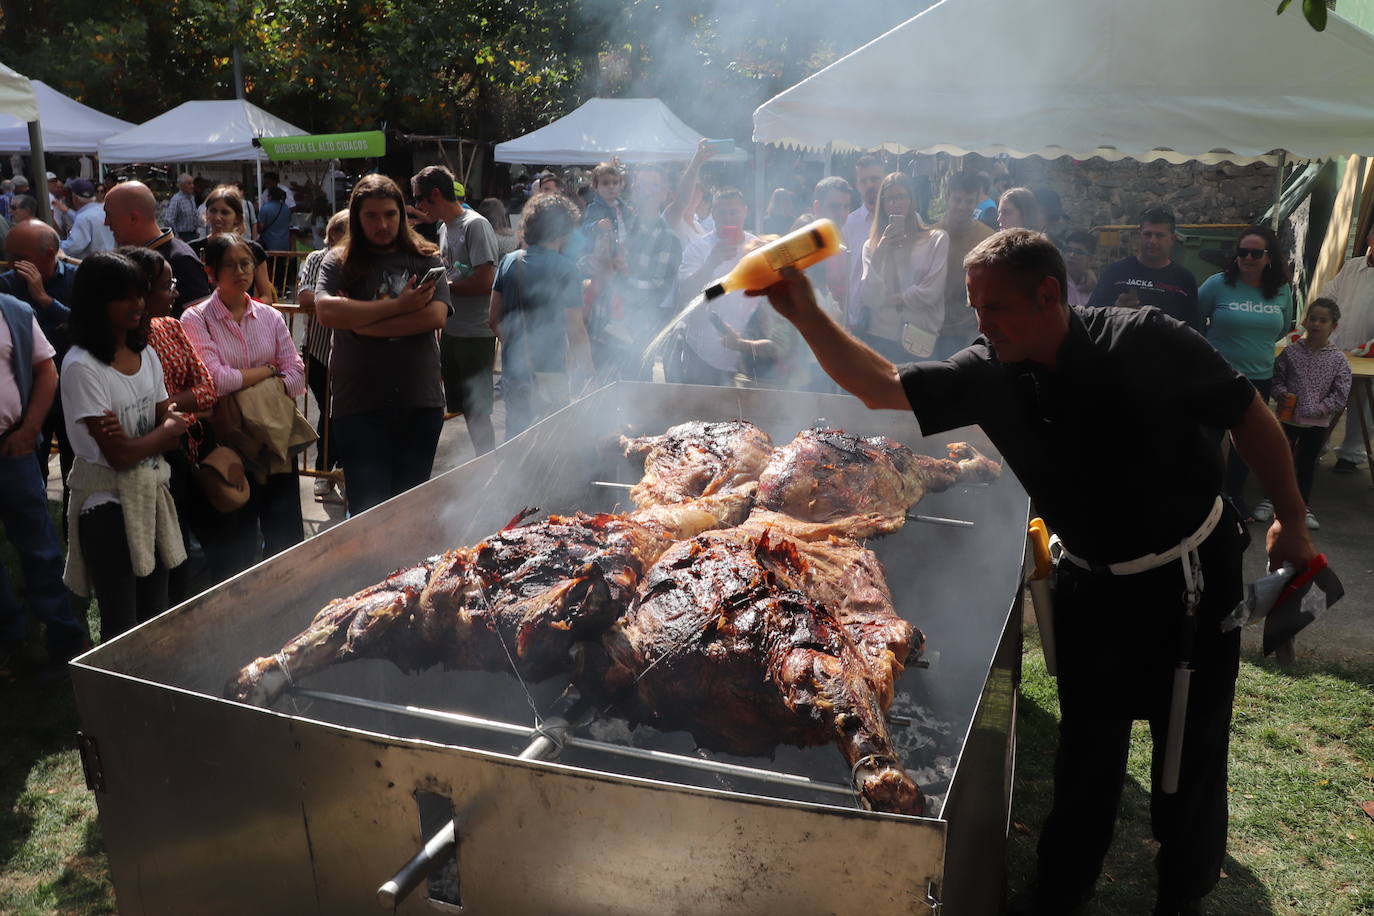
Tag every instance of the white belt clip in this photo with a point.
(1192, 572)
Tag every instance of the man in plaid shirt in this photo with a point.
(653, 255)
(181, 214)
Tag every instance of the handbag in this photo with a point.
(221, 478)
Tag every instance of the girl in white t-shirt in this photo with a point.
(119, 422)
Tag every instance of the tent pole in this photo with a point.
(258, 194)
(39, 166)
(1278, 192)
(760, 151)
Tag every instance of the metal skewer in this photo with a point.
(510, 728)
(938, 520)
(927, 519)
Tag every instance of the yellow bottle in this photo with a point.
(800, 249)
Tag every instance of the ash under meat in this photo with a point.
(929, 746)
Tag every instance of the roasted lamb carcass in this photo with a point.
(726, 643)
(860, 487)
(699, 458)
(521, 597)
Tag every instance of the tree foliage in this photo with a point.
(487, 69)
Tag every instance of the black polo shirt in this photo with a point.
(1111, 445)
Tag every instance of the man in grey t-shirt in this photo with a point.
(467, 348)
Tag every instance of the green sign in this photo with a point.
(363, 145)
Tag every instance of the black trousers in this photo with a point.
(1118, 641)
(317, 377)
(386, 452)
(125, 599)
(267, 524)
(1307, 447)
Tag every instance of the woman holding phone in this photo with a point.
(902, 287)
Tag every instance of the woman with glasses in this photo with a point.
(1247, 308)
(902, 288)
(244, 342)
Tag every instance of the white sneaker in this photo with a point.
(1312, 523)
(322, 487)
(1263, 512)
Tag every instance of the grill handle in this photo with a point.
(439, 847)
(548, 741)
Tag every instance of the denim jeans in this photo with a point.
(29, 527)
(386, 452)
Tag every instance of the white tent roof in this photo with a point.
(636, 130)
(68, 126)
(204, 131)
(16, 96)
(1164, 79)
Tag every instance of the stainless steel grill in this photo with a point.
(211, 806)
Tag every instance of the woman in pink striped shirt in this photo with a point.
(244, 342)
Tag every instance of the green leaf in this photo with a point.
(1283, 6)
(1315, 12)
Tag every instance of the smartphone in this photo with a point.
(720, 147)
(433, 275)
(896, 224)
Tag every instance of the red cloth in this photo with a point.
(182, 368)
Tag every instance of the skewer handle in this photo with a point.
(441, 845)
(937, 520)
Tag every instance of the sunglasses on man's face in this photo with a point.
(1255, 253)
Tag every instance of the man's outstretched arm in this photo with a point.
(853, 365)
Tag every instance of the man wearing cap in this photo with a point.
(89, 233)
(131, 214)
(57, 205)
(181, 210)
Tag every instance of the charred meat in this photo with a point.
(725, 643)
(865, 486)
(520, 598)
(698, 459)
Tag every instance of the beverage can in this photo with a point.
(1287, 405)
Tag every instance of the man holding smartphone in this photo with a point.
(467, 348)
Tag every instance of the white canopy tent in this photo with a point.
(68, 126)
(636, 130)
(201, 131)
(17, 97)
(1179, 80)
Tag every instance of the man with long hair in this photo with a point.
(387, 400)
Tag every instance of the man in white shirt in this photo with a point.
(1353, 290)
(89, 233)
(704, 359)
(868, 177)
(270, 180)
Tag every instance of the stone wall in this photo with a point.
(1095, 192)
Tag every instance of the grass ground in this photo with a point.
(1302, 762)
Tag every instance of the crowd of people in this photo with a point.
(154, 364)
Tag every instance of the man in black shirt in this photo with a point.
(1098, 411)
(131, 214)
(1151, 278)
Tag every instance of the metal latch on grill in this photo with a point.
(90, 762)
